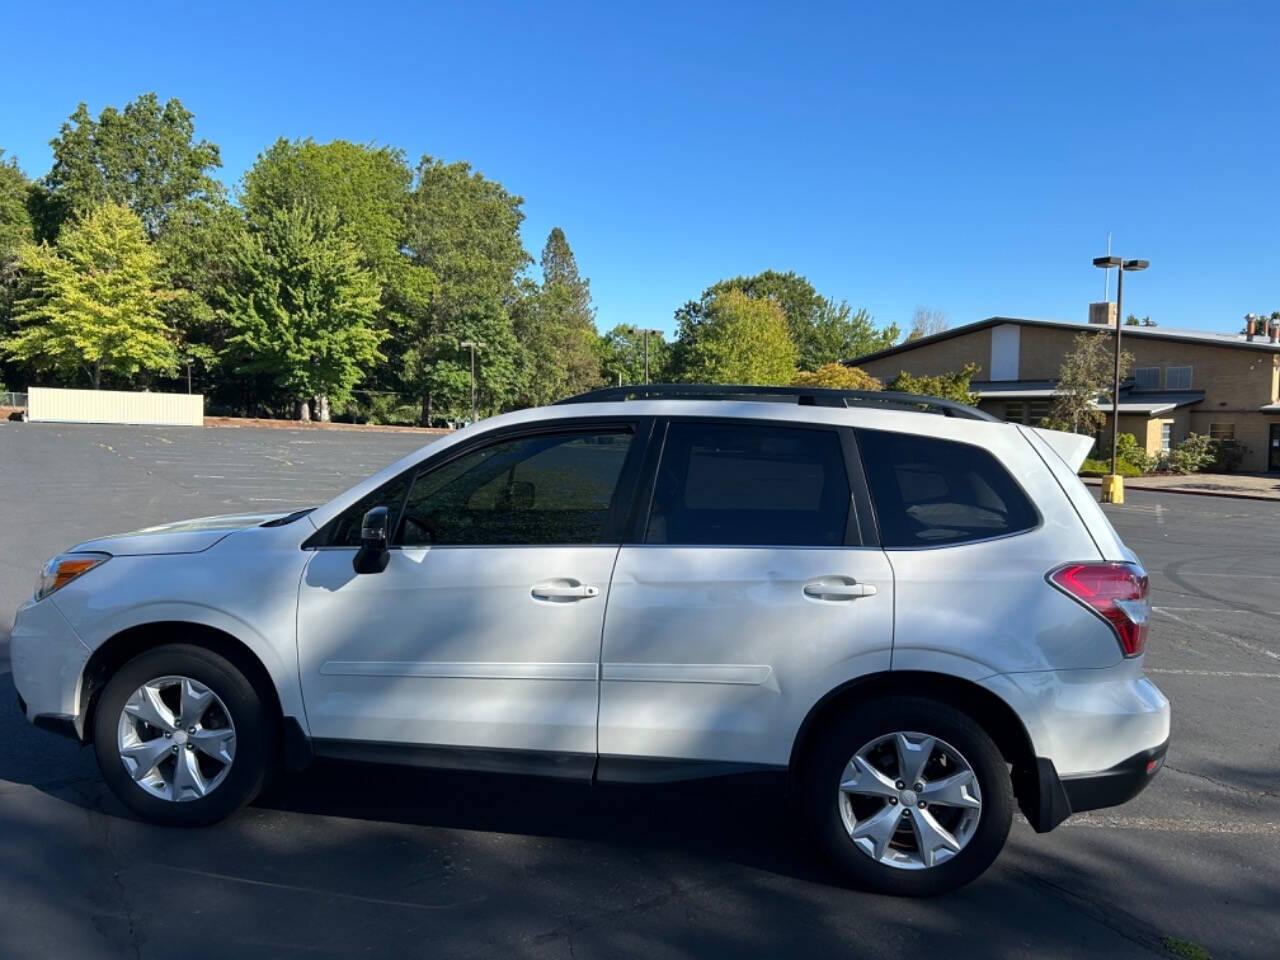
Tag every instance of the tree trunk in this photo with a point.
(304, 411)
(322, 407)
(425, 419)
(97, 374)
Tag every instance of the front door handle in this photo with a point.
(838, 589)
(565, 590)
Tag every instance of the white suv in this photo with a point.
(915, 617)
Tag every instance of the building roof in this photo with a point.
(1205, 337)
(1149, 402)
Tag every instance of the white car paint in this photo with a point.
(700, 653)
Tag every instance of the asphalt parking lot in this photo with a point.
(347, 859)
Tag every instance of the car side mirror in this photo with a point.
(373, 555)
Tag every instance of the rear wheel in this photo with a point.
(908, 796)
(182, 738)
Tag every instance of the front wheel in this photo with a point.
(181, 736)
(908, 796)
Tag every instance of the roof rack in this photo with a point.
(804, 396)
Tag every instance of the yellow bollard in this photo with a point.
(1113, 488)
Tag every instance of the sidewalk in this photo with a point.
(1246, 486)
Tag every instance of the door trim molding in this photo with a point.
(747, 674)
(542, 763)
(460, 670)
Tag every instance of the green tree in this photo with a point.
(622, 355)
(145, 156)
(837, 376)
(741, 340)
(465, 229)
(948, 386)
(15, 231)
(1086, 375)
(95, 301)
(839, 333)
(303, 309)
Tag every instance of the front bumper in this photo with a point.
(47, 659)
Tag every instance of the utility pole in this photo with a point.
(635, 332)
(1113, 486)
(473, 346)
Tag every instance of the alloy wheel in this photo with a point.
(176, 738)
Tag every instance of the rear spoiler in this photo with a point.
(1071, 447)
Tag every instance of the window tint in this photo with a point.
(743, 484)
(346, 529)
(545, 489)
(929, 492)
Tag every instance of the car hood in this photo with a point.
(185, 536)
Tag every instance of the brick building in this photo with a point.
(1182, 381)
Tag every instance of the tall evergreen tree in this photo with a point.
(15, 231)
(95, 301)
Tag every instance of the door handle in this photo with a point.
(838, 589)
(563, 591)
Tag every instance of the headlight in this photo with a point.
(64, 568)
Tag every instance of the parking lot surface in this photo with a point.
(347, 859)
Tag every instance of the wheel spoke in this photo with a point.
(953, 791)
(195, 701)
(187, 776)
(874, 833)
(912, 757)
(145, 704)
(861, 778)
(141, 757)
(932, 837)
(220, 744)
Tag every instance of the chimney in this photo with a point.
(1103, 313)
(1275, 331)
(1250, 327)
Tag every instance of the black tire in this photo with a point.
(254, 735)
(864, 723)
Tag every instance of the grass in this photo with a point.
(1186, 949)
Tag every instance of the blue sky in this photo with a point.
(968, 157)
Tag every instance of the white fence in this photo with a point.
(51, 405)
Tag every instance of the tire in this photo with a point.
(236, 706)
(834, 813)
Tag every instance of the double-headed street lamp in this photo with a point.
(1123, 266)
(473, 346)
(635, 332)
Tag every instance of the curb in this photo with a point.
(1225, 494)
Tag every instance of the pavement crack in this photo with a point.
(108, 843)
(1123, 924)
(1231, 787)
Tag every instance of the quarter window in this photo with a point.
(543, 489)
(750, 485)
(931, 492)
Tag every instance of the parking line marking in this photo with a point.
(1218, 673)
(1269, 613)
(1252, 647)
(1173, 825)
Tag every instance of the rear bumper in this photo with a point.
(1055, 798)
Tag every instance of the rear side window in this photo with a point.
(345, 531)
(931, 492)
(739, 484)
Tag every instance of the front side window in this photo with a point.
(547, 489)
(743, 484)
(345, 530)
(931, 492)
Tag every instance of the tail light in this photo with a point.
(1117, 592)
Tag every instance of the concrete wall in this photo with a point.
(51, 405)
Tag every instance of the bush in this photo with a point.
(1227, 455)
(1190, 456)
(837, 376)
(1127, 449)
(1101, 468)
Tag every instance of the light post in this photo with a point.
(473, 346)
(1113, 486)
(635, 332)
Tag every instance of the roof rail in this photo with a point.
(804, 396)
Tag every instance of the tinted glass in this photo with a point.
(346, 529)
(929, 492)
(546, 489)
(743, 484)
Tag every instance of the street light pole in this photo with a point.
(1122, 266)
(634, 331)
(473, 346)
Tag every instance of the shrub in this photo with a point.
(1127, 449)
(1190, 456)
(837, 376)
(1100, 468)
(1227, 455)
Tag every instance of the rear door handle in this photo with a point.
(564, 590)
(838, 589)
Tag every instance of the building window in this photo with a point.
(1013, 411)
(1166, 436)
(1037, 410)
(1222, 431)
(1177, 378)
(1147, 378)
